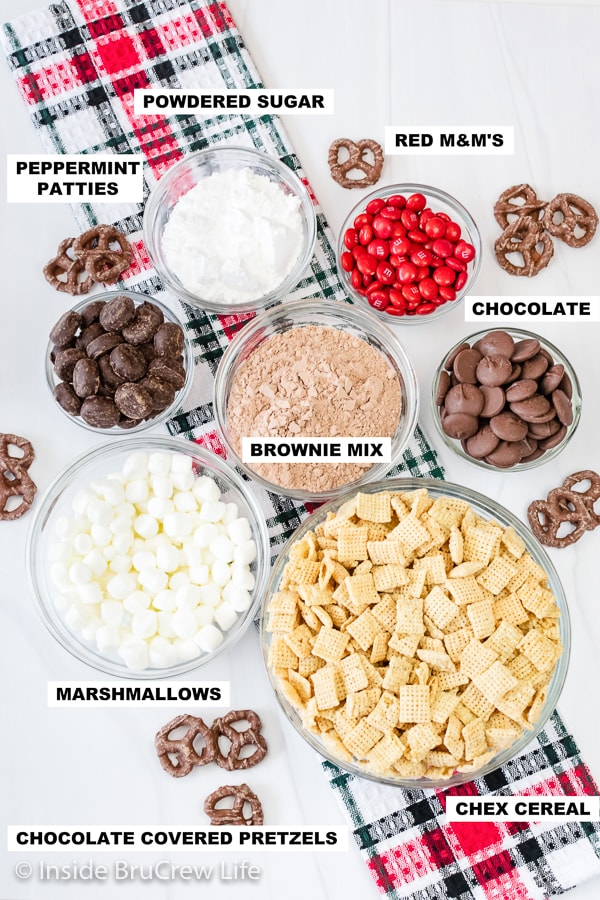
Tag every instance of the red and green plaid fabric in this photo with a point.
(76, 65)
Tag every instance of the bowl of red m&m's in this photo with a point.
(409, 252)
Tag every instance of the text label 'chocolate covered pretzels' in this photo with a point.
(178, 756)
(356, 161)
(14, 478)
(566, 506)
(245, 810)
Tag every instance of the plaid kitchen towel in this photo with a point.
(77, 64)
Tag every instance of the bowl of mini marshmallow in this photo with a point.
(147, 557)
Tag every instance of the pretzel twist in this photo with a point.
(64, 265)
(93, 249)
(524, 236)
(356, 161)
(234, 815)
(577, 213)
(183, 748)
(250, 736)
(14, 478)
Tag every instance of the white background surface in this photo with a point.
(425, 62)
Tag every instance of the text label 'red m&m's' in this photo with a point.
(449, 140)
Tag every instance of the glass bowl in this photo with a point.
(56, 506)
(486, 508)
(439, 202)
(333, 314)
(559, 359)
(188, 364)
(185, 175)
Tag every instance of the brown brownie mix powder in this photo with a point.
(313, 381)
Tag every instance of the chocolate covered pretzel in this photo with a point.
(251, 736)
(182, 749)
(564, 505)
(525, 237)
(15, 480)
(577, 219)
(93, 249)
(64, 272)
(234, 815)
(356, 162)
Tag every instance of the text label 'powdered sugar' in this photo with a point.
(450, 140)
(531, 309)
(136, 694)
(219, 102)
(522, 809)
(74, 177)
(324, 450)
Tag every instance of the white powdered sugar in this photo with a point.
(234, 237)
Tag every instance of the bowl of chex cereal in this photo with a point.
(415, 633)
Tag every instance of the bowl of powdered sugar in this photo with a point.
(315, 374)
(230, 229)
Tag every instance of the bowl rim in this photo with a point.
(149, 443)
(180, 395)
(521, 334)
(254, 158)
(428, 191)
(492, 509)
(315, 307)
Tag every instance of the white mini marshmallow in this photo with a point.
(210, 594)
(167, 558)
(239, 531)
(59, 573)
(81, 501)
(184, 623)
(186, 650)
(79, 573)
(181, 463)
(165, 625)
(75, 617)
(99, 512)
(146, 526)
(135, 466)
(82, 544)
(143, 559)
(112, 612)
(204, 534)
(162, 653)
(108, 637)
(120, 563)
(232, 513)
(159, 463)
(109, 552)
(225, 615)
(188, 596)
(212, 511)
(137, 491)
(134, 652)
(126, 509)
(121, 585)
(153, 579)
(144, 623)
(239, 598)
(222, 548)
(137, 601)
(184, 501)
(123, 542)
(88, 632)
(165, 601)
(204, 615)
(220, 572)
(199, 574)
(101, 535)
(96, 562)
(183, 481)
(191, 553)
(206, 489)
(245, 553)
(159, 507)
(208, 638)
(65, 527)
(89, 594)
(112, 491)
(121, 525)
(177, 580)
(178, 525)
(162, 486)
